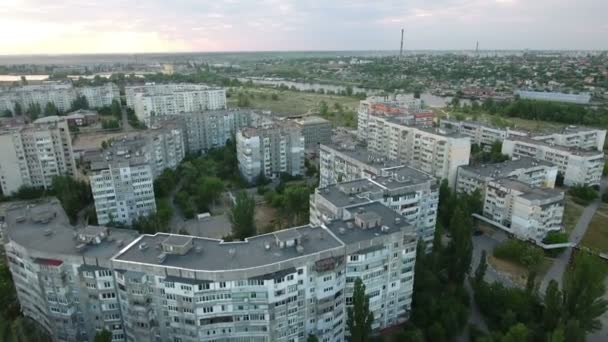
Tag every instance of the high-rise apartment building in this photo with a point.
(481, 133)
(531, 171)
(170, 99)
(60, 94)
(411, 193)
(315, 130)
(281, 286)
(122, 181)
(526, 211)
(577, 137)
(438, 152)
(31, 155)
(385, 106)
(270, 151)
(211, 129)
(578, 166)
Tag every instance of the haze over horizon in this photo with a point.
(156, 26)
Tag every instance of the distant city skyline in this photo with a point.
(115, 26)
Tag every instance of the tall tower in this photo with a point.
(477, 49)
(401, 50)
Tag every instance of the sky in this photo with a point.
(138, 26)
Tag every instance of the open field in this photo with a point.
(500, 121)
(295, 102)
(572, 212)
(596, 237)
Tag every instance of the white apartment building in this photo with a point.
(100, 96)
(171, 99)
(576, 137)
(60, 94)
(342, 163)
(409, 192)
(480, 133)
(122, 185)
(211, 129)
(31, 155)
(270, 151)
(438, 152)
(578, 166)
(395, 105)
(526, 211)
(281, 286)
(531, 171)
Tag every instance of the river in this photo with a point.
(428, 98)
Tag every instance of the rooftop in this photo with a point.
(497, 170)
(530, 192)
(377, 215)
(125, 152)
(311, 120)
(573, 150)
(217, 255)
(362, 155)
(446, 132)
(43, 226)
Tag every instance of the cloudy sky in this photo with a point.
(96, 26)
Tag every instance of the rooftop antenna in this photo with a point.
(477, 49)
(401, 50)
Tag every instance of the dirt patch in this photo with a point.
(516, 273)
(265, 218)
(596, 237)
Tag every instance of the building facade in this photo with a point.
(525, 211)
(100, 96)
(281, 286)
(31, 155)
(270, 151)
(435, 151)
(576, 137)
(480, 133)
(315, 130)
(170, 99)
(385, 106)
(409, 192)
(583, 98)
(578, 166)
(531, 171)
(211, 129)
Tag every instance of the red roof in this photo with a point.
(49, 262)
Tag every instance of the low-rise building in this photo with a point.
(270, 151)
(32, 154)
(315, 130)
(578, 166)
(583, 98)
(82, 117)
(525, 169)
(526, 211)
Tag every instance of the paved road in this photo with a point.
(561, 262)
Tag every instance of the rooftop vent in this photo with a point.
(267, 246)
(48, 232)
(385, 229)
(232, 252)
(342, 230)
(300, 249)
(397, 220)
(143, 246)
(161, 258)
(120, 243)
(349, 225)
(198, 249)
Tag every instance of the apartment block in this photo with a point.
(315, 130)
(60, 94)
(164, 146)
(270, 151)
(578, 166)
(32, 154)
(576, 137)
(341, 163)
(385, 106)
(280, 286)
(411, 193)
(531, 171)
(170, 99)
(481, 133)
(526, 211)
(122, 183)
(211, 129)
(435, 151)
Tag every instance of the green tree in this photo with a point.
(80, 102)
(573, 332)
(115, 109)
(323, 109)
(74, 195)
(517, 333)
(349, 91)
(312, 338)
(460, 248)
(583, 292)
(242, 216)
(481, 268)
(552, 311)
(50, 109)
(360, 319)
(103, 336)
(18, 110)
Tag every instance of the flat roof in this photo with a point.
(125, 152)
(445, 132)
(44, 227)
(349, 233)
(217, 255)
(498, 170)
(312, 120)
(364, 156)
(528, 191)
(573, 150)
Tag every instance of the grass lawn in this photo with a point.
(572, 212)
(596, 237)
(603, 209)
(295, 102)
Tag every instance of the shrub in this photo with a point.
(583, 194)
(555, 237)
(519, 252)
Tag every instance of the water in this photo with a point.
(428, 98)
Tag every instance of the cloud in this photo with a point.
(58, 26)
